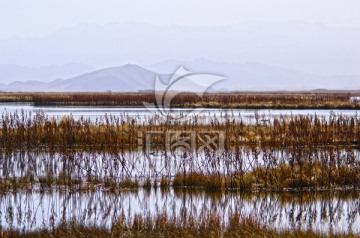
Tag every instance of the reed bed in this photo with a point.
(22, 130)
(294, 152)
(324, 100)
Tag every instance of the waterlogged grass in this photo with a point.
(23, 131)
(285, 177)
(213, 181)
(163, 226)
(296, 152)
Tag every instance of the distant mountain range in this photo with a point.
(246, 76)
(252, 56)
(257, 76)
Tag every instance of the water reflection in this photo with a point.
(324, 212)
(139, 164)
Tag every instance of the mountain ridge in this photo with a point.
(247, 76)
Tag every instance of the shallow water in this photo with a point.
(142, 114)
(322, 212)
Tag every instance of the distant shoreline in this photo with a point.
(346, 100)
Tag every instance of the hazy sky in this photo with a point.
(24, 18)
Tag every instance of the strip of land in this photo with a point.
(246, 100)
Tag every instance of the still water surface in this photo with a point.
(142, 114)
